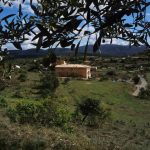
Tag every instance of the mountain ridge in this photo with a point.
(105, 50)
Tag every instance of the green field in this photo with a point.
(117, 95)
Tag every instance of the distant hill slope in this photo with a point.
(106, 50)
(116, 50)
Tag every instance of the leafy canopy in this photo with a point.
(62, 22)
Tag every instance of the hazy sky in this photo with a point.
(27, 10)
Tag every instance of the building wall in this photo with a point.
(73, 72)
(88, 72)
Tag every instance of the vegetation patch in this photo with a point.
(23, 77)
(145, 93)
(46, 113)
(92, 112)
(3, 102)
(48, 84)
(37, 111)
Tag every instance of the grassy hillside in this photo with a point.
(117, 95)
(128, 127)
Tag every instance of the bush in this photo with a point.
(48, 84)
(12, 114)
(2, 85)
(66, 80)
(17, 94)
(50, 60)
(136, 79)
(10, 140)
(45, 113)
(22, 77)
(35, 144)
(103, 78)
(28, 112)
(33, 67)
(144, 94)
(20, 113)
(111, 73)
(56, 114)
(91, 110)
(3, 102)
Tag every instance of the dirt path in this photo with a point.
(143, 84)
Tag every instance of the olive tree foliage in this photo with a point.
(14, 27)
(61, 22)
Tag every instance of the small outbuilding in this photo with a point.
(73, 70)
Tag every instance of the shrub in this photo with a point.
(22, 77)
(63, 116)
(91, 110)
(2, 85)
(25, 112)
(45, 113)
(33, 67)
(28, 112)
(136, 79)
(49, 60)
(35, 144)
(17, 94)
(56, 114)
(12, 114)
(3, 102)
(49, 83)
(111, 73)
(10, 140)
(66, 80)
(144, 94)
(46, 62)
(103, 78)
